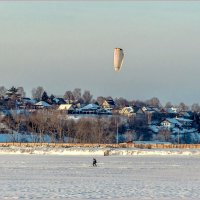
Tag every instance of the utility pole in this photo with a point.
(117, 134)
(117, 137)
(178, 134)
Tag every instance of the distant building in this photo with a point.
(108, 104)
(170, 123)
(66, 107)
(127, 111)
(42, 104)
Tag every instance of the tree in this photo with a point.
(155, 102)
(2, 91)
(100, 100)
(12, 93)
(129, 136)
(21, 92)
(45, 97)
(77, 94)
(13, 96)
(121, 102)
(69, 96)
(52, 97)
(195, 107)
(168, 104)
(85, 131)
(183, 107)
(164, 135)
(37, 92)
(87, 97)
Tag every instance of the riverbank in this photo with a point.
(95, 151)
(138, 144)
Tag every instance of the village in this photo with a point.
(79, 118)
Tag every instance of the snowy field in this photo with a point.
(169, 177)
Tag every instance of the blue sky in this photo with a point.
(64, 45)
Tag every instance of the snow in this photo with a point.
(154, 128)
(43, 104)
(93, 151)
(90, 106)
(19, 137)
(174, 121)
(115, 177)
(184, 120)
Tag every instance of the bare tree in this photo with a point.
(87, 97)
(130, 136)
(153, 102)
(2, 91)
(121, 102)
(77, 94)
(164, 135)
(183, 107)
(69, 96)
(168, 104)
(100, 100)
(20, 90)
(37, 92)
(71, 130)
(85, 131)
(195, 107)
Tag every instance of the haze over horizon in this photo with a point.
(67, 45)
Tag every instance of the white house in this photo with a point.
(90, 108)
(170, 123)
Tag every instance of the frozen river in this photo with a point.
(116, 177)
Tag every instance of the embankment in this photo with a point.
(121, 145)
(98, 149)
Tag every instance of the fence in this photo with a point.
(121, 145)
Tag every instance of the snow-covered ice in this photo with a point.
(116, 177)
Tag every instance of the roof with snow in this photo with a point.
(173, 121)
(90, 106)
(65, 107)
(171, 110)
(184, 120)
(42, 104)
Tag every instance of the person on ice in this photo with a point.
(94, 162)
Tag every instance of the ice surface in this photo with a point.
(115, 177)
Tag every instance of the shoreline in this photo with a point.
(139, 145)
(96, 151)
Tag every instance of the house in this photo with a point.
(170, 123)
(27, 103)
(42, 104)
(88, 109)
(172, 110)
(108, 104)
(140, 114)
(185, 122)
(59, 101)
(66, 107)
(2, 115)
(127, 111)
(186, 114)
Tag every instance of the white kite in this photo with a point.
(118, 58)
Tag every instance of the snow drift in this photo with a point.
(81, 151)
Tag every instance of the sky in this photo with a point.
(65, 45)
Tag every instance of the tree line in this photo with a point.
(86, 97)
(61, 128)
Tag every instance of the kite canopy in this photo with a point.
(118, 58)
